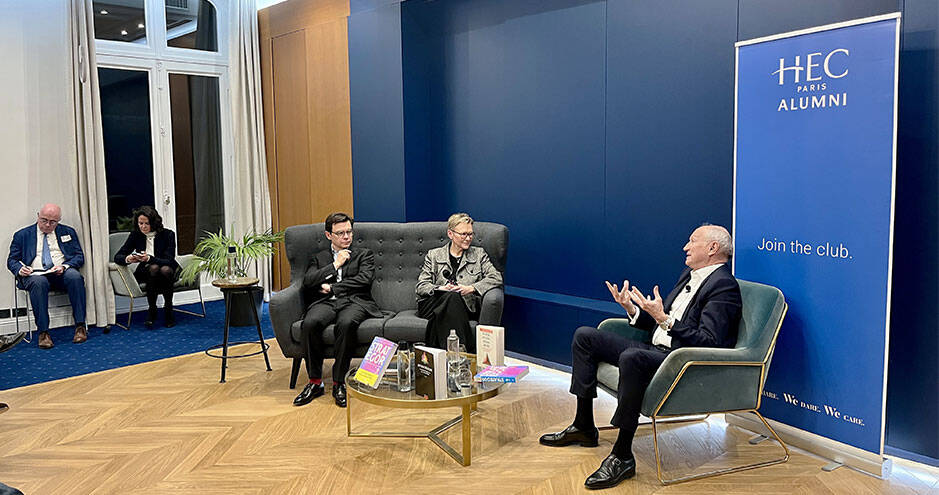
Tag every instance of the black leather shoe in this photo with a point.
(339, 394)
(570, 436)
(310, 392)
(151, 317)
(169, 320)
(612, 471)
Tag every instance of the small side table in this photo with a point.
(245, 286)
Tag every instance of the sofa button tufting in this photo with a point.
(400, 267)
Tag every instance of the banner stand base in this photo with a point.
(861, 460)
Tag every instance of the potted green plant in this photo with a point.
(211, 256)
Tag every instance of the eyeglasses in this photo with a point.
(465, 235)
(46, 221)
(343, 233)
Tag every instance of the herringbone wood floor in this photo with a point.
(170, 427)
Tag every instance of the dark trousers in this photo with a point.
(159, 280)
(445, 311)
(347, 316)
(38, 287)
(637, 363)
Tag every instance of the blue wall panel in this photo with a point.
(377, 114)
(504, 117)
(669, 144)
(760, 18)
(913, 371)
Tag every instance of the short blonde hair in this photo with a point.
(458, 218)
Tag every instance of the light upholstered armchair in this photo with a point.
(124, 283)
(699, 380)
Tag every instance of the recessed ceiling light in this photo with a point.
(104, 12)
(123, 32)
(140, 25)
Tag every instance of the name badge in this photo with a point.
(66, 238)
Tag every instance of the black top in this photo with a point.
(454, 266)
(164, 248)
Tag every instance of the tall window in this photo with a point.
(163, 73)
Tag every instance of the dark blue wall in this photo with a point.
(601, 133)
(913, 373)
(377, 112)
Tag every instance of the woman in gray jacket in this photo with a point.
(451, 285)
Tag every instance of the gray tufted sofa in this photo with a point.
(399, 250)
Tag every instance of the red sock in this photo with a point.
(316, 381)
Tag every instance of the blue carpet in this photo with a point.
(27, 364)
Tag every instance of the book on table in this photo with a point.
(375, 362)
(503, 374)
(430, 372)
(490, 346)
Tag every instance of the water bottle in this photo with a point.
(404, 367)
(453, 361)
(230, 269)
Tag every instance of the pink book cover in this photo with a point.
(505, 374)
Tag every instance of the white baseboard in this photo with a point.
(60, 311)
(862, 460)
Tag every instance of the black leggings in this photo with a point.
(159, 280)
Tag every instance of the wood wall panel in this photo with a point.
(292, 200)
(330, 128)
(305, 87)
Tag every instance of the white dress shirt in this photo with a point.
(58, 258)
(338, 271)
(680, 304)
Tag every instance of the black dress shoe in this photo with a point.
(612, 471)
(310, 392)
(339, 394)
(151, 317)
(169, 321)
(570, 436)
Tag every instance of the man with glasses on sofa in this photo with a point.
(703, 310)
(47, 255)
(337, 286)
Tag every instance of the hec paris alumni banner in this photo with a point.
(813, 215)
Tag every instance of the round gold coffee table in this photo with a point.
(388, 396)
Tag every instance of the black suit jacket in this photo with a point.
(356, 284)
(164, 249)
(712, 316)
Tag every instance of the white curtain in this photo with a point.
(90, 177)
(251, 187)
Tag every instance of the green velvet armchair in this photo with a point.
(698, 380)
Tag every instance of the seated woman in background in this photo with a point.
(154, 249)
(452, 283)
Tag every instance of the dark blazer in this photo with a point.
(712, 316)
(356, 284)
(164, 249)
(23, 247)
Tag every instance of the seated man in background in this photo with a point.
(47, 255)
(703, 310)
(338, 285)
(451, 285)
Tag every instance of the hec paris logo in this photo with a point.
(811, 68)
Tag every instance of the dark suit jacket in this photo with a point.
(356, 284)
(164, 249)
(23, 247)
(712, 316)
